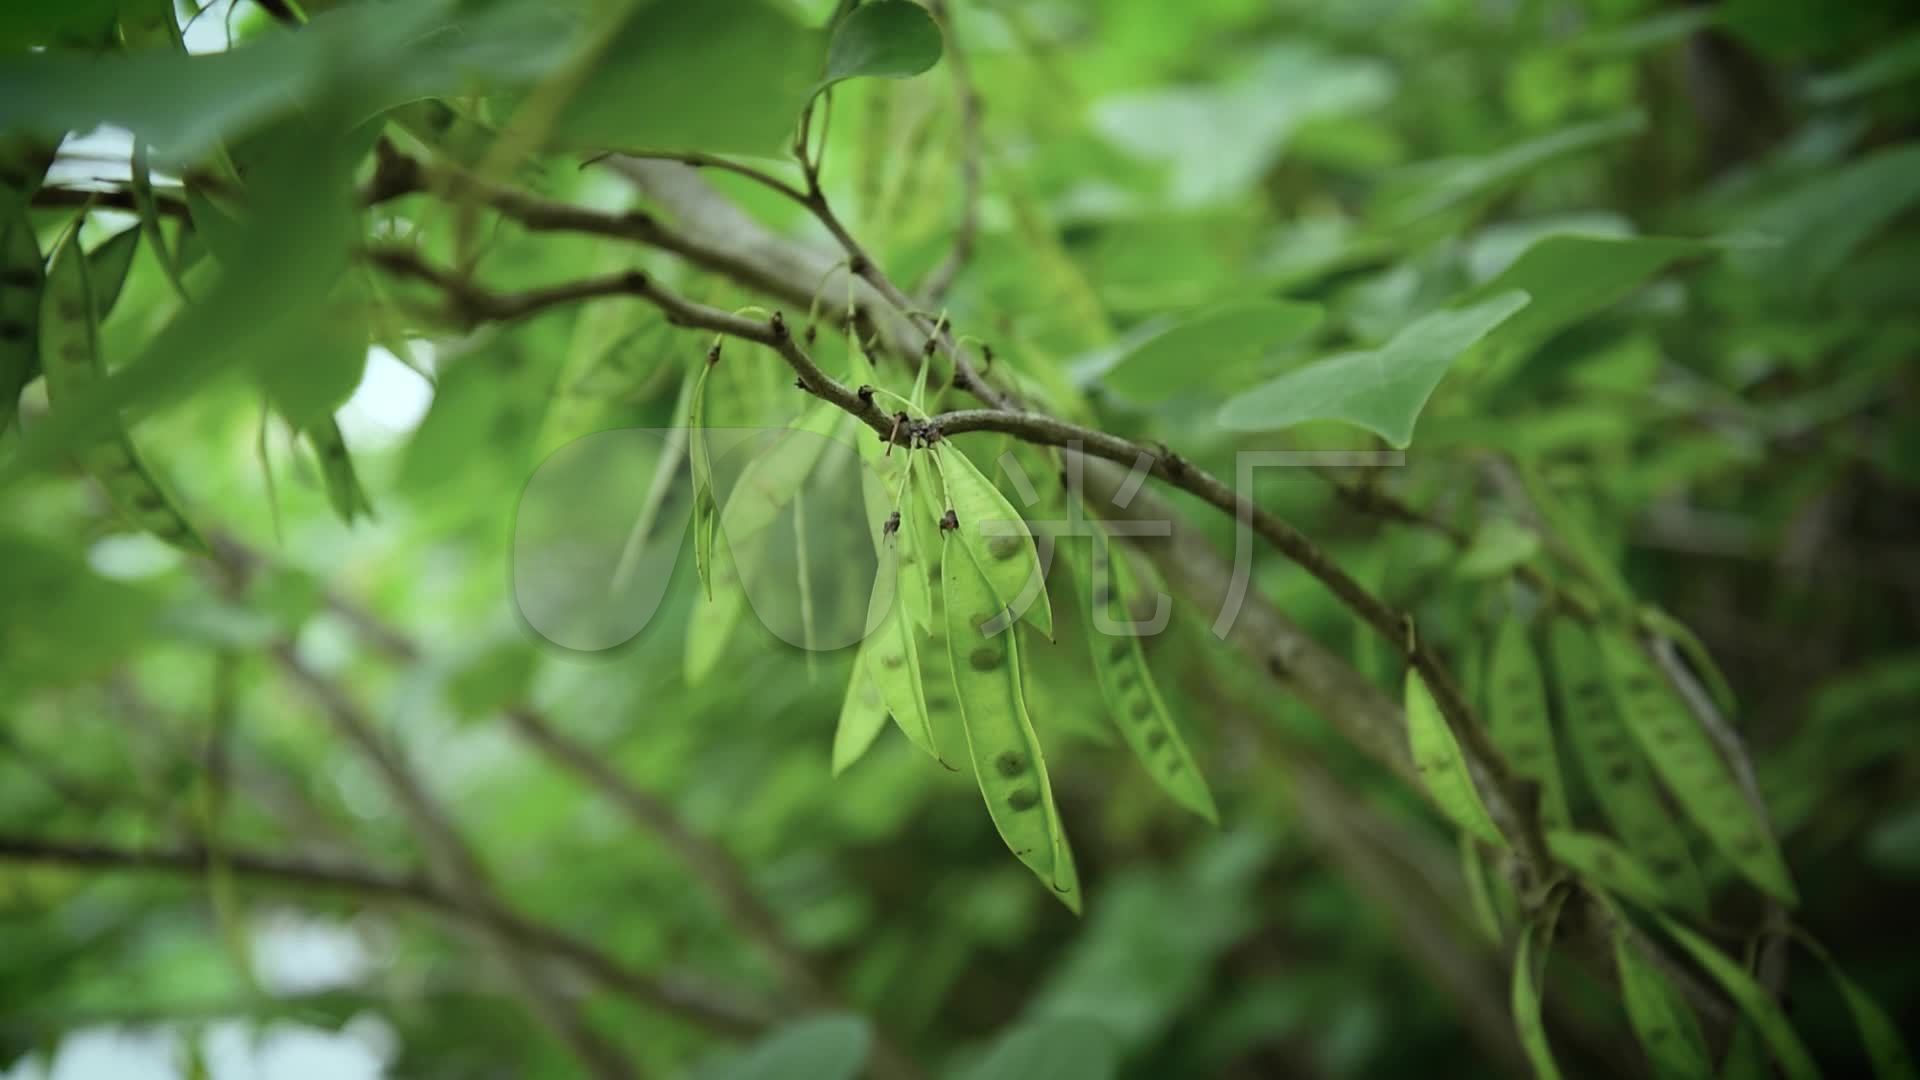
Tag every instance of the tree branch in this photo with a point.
(689, 1000)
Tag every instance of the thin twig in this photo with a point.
(934, 288)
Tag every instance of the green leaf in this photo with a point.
(1219, 338)
(1457, 181)
(1063, 1048)
(863, 715)
(720, 76)
(1892, 65)
(1661, 1020)
(1692, 768)
(831, 1047)
(1441, 766)
(65, 24)
(60, 621)
(891, 39)
(1813, 229)
(1879, 1034)
(1753, 999)
(1569, 277)
(1382, 390)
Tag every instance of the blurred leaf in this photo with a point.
(892, 39)
(1753, 999)
(1063, 1048)
(1816, 226)
(1450, 183)
(59, 621)
(1568, 278)
(107, 267)
(1498, 545)
(1183, 356)
(1382, 390)
(721, 76)
(818, 1048)
(1891, 65)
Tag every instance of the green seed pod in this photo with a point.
(1686, 758)
(1517, 719)
(1753, 999)
(1441, 766)
(997, 538)
(1132, 698)
(1666, 1027)
(862, 716)
(1620, 779)
(998, 731)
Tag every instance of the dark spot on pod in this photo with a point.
(70, 310)
(1588, 691)
(1667, 736)
(1527, 751)
(1119, 650)
(1749, 844)
(1156, 739)
(984, 658)
(1101, 596)
(19, 277)
(939, 701)
(892, 661)
(1639, 684)
(1619, 772)
(1009, 764)
(1003, 547)
(74, 353)
(1666, 867)
(1125, 678)
(1023, 799)
(933, 572)
(1176, 767)
(11, 330)
(1603, 862)
(1518, 685)
(1142, 709)
(148, 500)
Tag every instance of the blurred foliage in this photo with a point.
(1633, 283)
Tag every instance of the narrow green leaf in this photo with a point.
(1442, 767)
(1381, 390)
(1179, 358)
(706, 511)
(344, 492)
(1661, 1020)
(1517, 718)
(1817, 226)
(1480, 886)
(1468, 178)
(1498, 546)
(1056, 1048)
(1692, 768)
(891, 39)
(1570, 277)
(1879, 1035)
(1752, 998)
(1617, 773)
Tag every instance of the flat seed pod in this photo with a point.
(1619, 776)
(1661, 1020)
(997, 538)
(1006, 754)
(1517, 718)
(1133, 699)
(1441, 766)
(713, 623)
(1604, 863)
(893, 662)
(21, 280)
(1689, 763)
(69, 348)
(1753, 999)
(863, 715)
(706, 511)
(1527, 1015)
